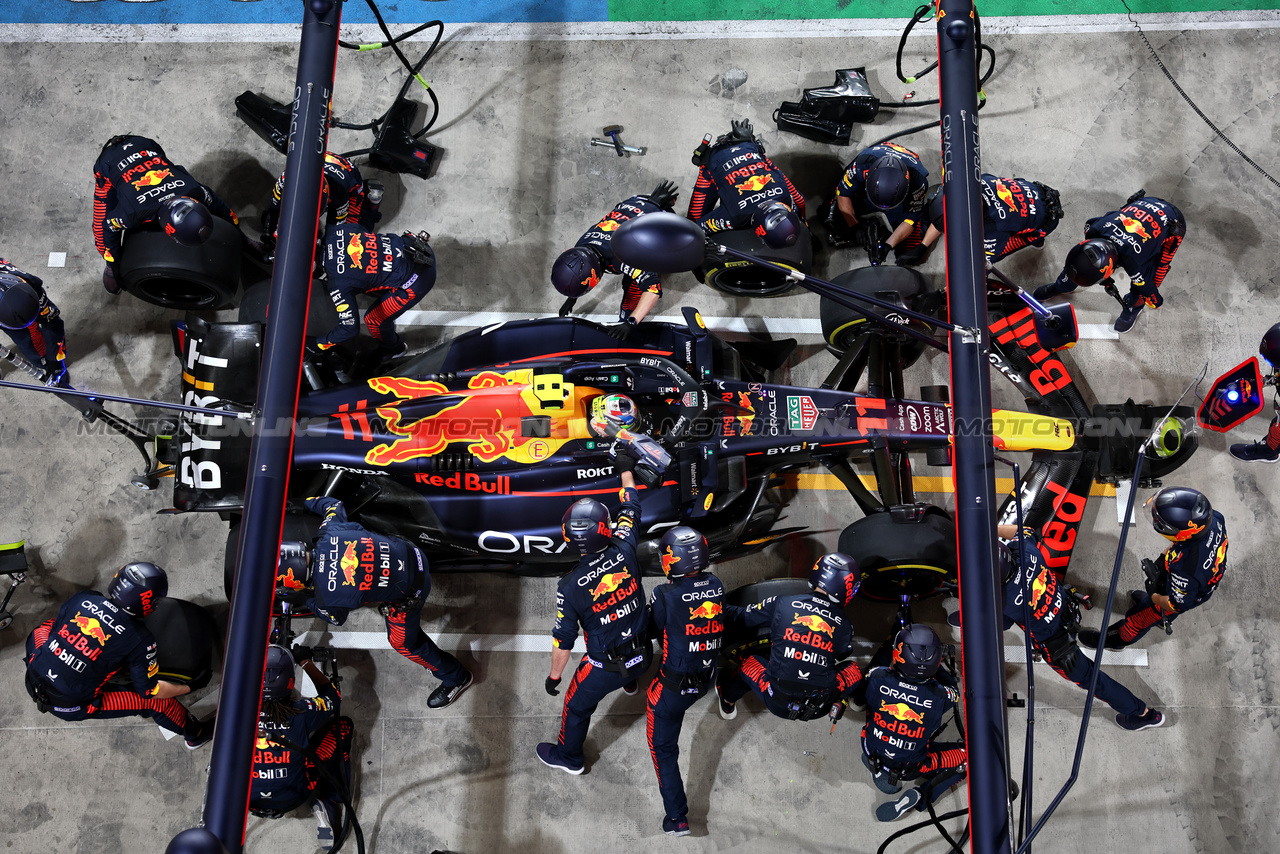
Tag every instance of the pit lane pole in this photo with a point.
(271, 452)
(982, 643)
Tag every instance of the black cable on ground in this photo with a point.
(914, 827)
(1192, 103)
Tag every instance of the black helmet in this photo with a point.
(577, 271)
(186, 220)
(887, 182)
(277, 676)
(1008, 566)
(916, 652)
(136, 587)
(1269, 349)
(836, 577)
(1091, 261)
(19, 304)
(776, 224)
(1180, 513)
(293, 568)
(586, 525)
(683, 551)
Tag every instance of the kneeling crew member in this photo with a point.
(906, 703)
(803, 677)
(33, 321)
(71, 657)
(354, 567)
(888, 179)
(602, 594)
(738, 187)
(345, 196)
(1184, 576)
(1016, 213)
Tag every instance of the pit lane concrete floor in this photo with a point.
(1088, 114)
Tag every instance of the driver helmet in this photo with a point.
(136, 587)
(613, 412)
(776, 224)
(294, 566)
(1180, 513)
(683, 551)
(835, 577)
(1091, 261)
(887, 182)
(577, 271)
(186, 220)
(19, 303)
(587, 526)
(916, 652)
(1269, 349)
(277, 675)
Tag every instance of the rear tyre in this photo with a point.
(844, 328)
(321, 314)
(296, 527)
(741, 278)
(157, 270)
(185, 639)
(896, 558)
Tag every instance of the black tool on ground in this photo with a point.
(13, 563)
(616, 144)
(828, 113)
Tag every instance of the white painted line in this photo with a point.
(1099, 331)
(1122, 501)
(57, 259)
(542, 644)
(838, 28)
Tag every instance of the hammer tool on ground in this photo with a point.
(613, 142)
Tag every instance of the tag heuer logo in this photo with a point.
(801, 413)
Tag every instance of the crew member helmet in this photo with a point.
(186, 220)
(1008, 566)
(916, 652)
(1091, 261)
(887, 182)
(277, 676)
(1180, 513)
(836, 577)
(19, 303)
(683, 551)
(587, 526)
(613, 412)
(776, 224)
(1269, 349)
(576, 271)
(136, 587)
(294, 566)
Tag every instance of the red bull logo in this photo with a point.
(348, 564)
(609, 582)
(90, 627)
(1006, 196)
(897, 655)
(150, 178)
(261, 743)
(668, 560)
(813, 623)
(706, 611)
(1038, 589)
(608, 225)
(591, 280)
(1188, 532)
(754, 184)
(902, 712)
(1132, 226)
(355, 250)
(289, 581)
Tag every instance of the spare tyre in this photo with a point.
(186, 636)
(158, 270)
(900, 557)
(741, 278)
(844, 328)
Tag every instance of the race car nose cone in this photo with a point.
(660, 242)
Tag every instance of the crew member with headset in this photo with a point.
(603, 596)
(889, 179)
(578, 270)
(803, 677)
(1184, 576)
(293, 733)
(33, 321)
(70, 657)
(344, 195)
(907, 701)
(136, 183)
(1266, 449)
(1016, 213)
(1142, 237)
(688, 616)
(351, 566)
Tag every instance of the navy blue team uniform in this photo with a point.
(42, 342)
(354, 567)
(635, 282)
(803, 676)
(853, 186)
(1146, 233)
(1015, 213)
(902, 718)
(345, 191)
(285, 778)
(688, 616)
(132, 176)
(361, 262)
(602, 594)
(70, 658)
(734, 183)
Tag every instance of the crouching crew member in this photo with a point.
(354, 567)
(33, 321)
(1266, 449)
(603, 596)
(887, 179)
(71, 657)
(1184, 576)
(344, 195)
(1016, 213)
(803, 678)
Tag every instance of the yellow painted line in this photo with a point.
(939, 485)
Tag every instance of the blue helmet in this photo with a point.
(577, 271)
(916, 652)
(836, 577)
(1091, 261)
(683, 551)
(1180, 513)
(887, 182)
(776, 224)
(1008, 566)
(186, 220)
(277, 675)
(587, 526)
(136, 587)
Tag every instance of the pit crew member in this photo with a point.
(345, 195)
(1266, 449)
(889, 179)
(33, 321)
(1015, 213)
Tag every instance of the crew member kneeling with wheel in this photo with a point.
(906, 703)
(803, 678)
(297, 738)
(887, 179)
(33, 322)
(354, 567)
